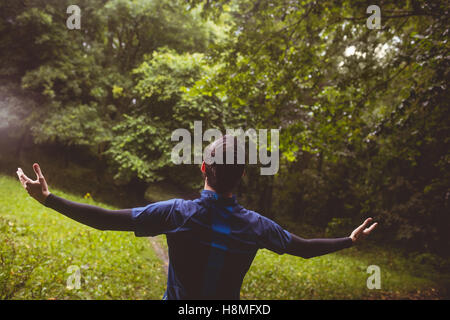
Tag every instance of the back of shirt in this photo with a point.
(212, 242)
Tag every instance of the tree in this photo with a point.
(351, 103)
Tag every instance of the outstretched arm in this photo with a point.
(93, 216)
(308, 248)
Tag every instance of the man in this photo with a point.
(212, 240)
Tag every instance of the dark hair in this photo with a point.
(221, 176)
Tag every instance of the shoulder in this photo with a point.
(187, 207)
(168, 213)
(256, 221)
(254, 216)
(261, 224)
(269, 234)
(168, 208)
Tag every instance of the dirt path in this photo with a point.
(160, 252)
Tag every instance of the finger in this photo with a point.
(22, 177)
(19, 173)
(22, 174)
(363, 226)
(40, 176)
(23, 182)
(371, 228)
(37, 170)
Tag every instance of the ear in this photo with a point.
(203, 167)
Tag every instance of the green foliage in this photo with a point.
(37, 246)
(85, 76)
(338, 226)
(80, 125)
(362, 112)
(333, 276)
(141, 145)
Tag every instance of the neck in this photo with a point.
(226, 195)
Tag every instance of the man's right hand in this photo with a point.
(38, 188)
(363, 230)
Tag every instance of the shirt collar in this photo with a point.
(211, 195)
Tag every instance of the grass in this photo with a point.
(341, 275)
(38, 245)
(333, 276)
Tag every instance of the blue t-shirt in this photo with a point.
(212, 242)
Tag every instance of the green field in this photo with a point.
(38, 246)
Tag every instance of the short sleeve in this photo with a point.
(157, 218)
(272, 236)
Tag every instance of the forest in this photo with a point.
(362, 111)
